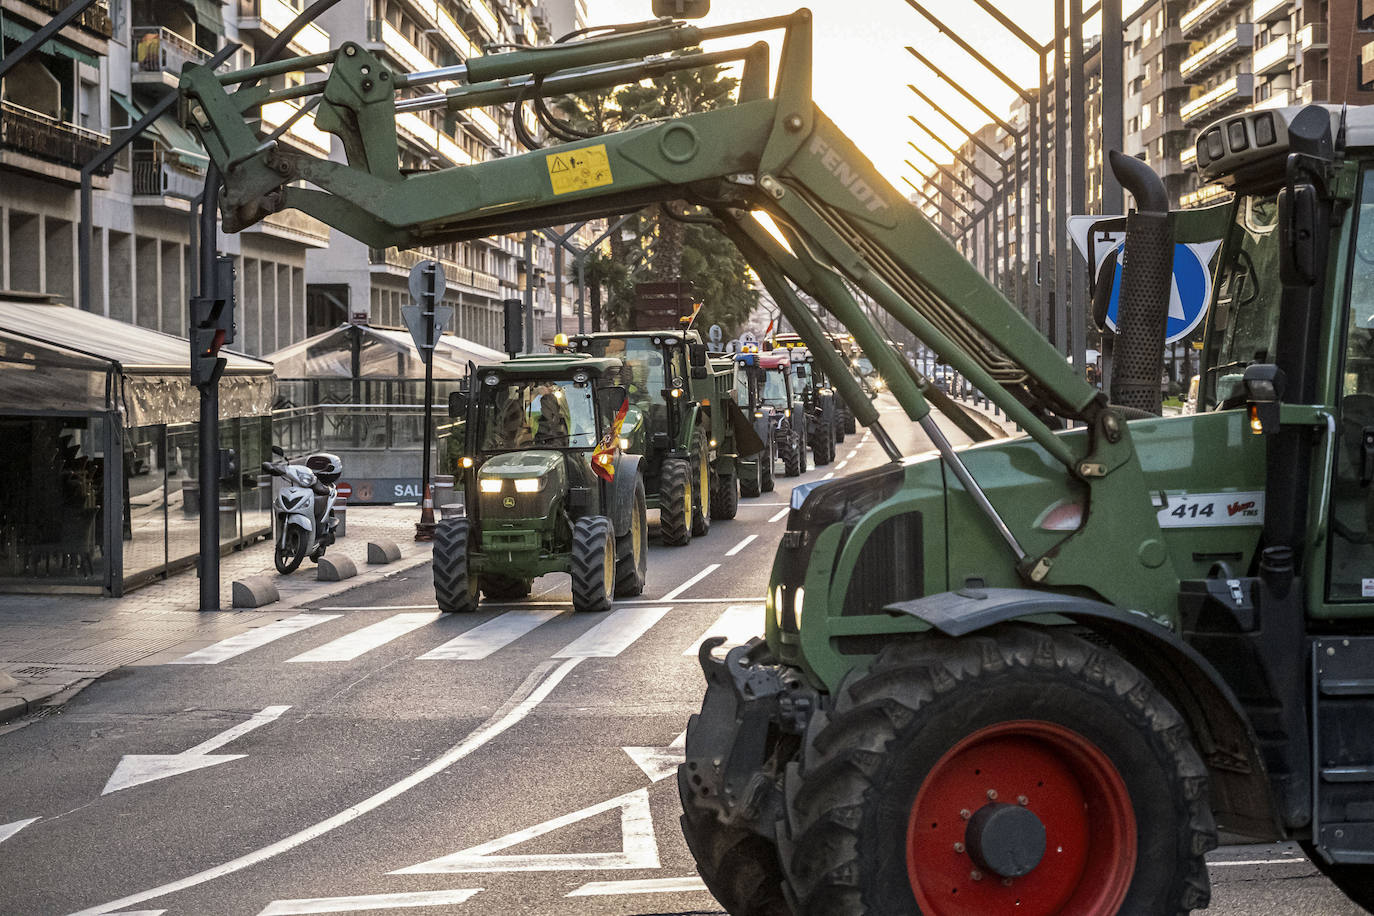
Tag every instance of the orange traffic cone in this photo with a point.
(424, 528)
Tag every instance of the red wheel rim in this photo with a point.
(1061, 777)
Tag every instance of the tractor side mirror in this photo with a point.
(682, 9)
(609, 401)
(1298, 235)
(696, 356)
(457, 404)
(276, 450)
(1103, 287)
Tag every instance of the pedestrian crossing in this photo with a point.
(607, 636)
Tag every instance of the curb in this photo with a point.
(14, 705)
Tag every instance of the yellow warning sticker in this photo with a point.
(579, 170)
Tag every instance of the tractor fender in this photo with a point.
(1241, 795)
(627, 471)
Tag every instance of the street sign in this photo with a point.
(1192, 283)
(414, 317)
(419, 282)
(716, 334)
(343, 490)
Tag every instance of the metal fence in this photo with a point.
(45, 137)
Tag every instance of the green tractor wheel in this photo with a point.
(675, 502)
(593, 563)
(701, 486)
(725, 497)
(1098, 797)
(766, 460)
(454, 589)
(632, 550)
(504, 588)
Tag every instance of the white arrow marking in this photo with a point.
(139, 913)
(9, 830)
(403, 900)
(639, 886)
(136, 769)
(638, 848)
(739, 624)
(659, 762)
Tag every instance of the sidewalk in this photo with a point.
(51, 646)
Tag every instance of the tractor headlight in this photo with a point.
(777, 604)
(489, 484)
(528, 484)
(797, 604)
(624, 443)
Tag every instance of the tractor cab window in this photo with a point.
(537, 413)
(775, 388)
(742, 383)
(643, 373)
(1243, 322)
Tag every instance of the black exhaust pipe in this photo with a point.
(1146, 281)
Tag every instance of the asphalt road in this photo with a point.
(515, 761)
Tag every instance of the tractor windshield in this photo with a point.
(537, 413)
(775, 388)
(1245, 313)
(643, 373)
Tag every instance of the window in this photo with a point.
(1244, 316)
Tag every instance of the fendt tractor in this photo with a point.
(547, 485)
(685, 425)
(1032, 675)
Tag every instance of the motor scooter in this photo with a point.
(303, 510)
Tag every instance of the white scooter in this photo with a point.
(303, 510)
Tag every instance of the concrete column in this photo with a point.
(146, 298)
(119, 297)
(25, 251)
(172, 303)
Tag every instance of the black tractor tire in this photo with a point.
(823, 447)
(504, 588)
(1355, 881)
(752, 485)
(725, 499)
(287, 557)
(454, 589)
(849, 427)
(927, 739)
(593, 563)
(793, 454)
(766, 482)
(675, 502)
(702, 486)
(632, 550)
(740, 868)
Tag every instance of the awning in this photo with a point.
(20, 32)
(130, 109)
(209, 14)
(177, 140)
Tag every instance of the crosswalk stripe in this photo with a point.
(401, 901)
(739, 624)
(348, 647)
(497, 633)
(685, 885)
(252, 639)
(615, 634)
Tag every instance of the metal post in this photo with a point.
(1061, 196)
(424, 531)
(582, 293)
(558, 289)
(529, 292)
(1112, 93)
(1078, 189)
(207, 564)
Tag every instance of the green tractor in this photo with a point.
(764, 388)
(814, 400)
(685, 423)
(547, 484)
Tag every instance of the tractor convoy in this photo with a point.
(1033, 675)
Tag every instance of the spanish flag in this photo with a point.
(603, 456)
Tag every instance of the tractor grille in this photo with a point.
(890, 568)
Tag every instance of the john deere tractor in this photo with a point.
(1033, 675)
(547, 486)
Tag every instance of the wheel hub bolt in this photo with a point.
(958, 847)
(966, 814)
(1022, 800)
(976, 875)
(992, 794)
(1006, 882)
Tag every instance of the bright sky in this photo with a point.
(862, 67)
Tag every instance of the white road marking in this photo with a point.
(690, 582)
(739, 624)
(1293, 861)
(828, 476)
(639, 886)
(346, 648)
(779, 514)
(237, 645)
(9, 830)
(403, 900)
(497, 633)
(638, 847)
(136, 769)
(741, 545)
(840, 466)
(659, 762)
(851, 454)
(615, 633)
(526, 699)
(634, 602)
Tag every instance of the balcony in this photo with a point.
(1274, 57)
(1232, 42)
(1313, 91)
(1269, 10)
(1161, 125)
(269, 17)
(1312, 37)
(46, 145)
(1207, 194)
(159, 180)
(411, 59)
(95, 20)
(303, 133)
(398, 263)
(159, 54)
(416, 129)
(1367, 63)
(294, 226)
(1238, 90)
(482, 13)
(1188, 158)
(1204, 13)
(445, 26)
(1279, 98)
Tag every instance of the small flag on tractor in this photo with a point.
(768, 330)
(603, 456)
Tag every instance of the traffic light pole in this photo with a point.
(424, 530)
(207, 565)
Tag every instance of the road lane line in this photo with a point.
(828, 476)
(535, 689)
(690, 582)
(9, 830)
(851, 455)
(741, 545)
(350, 646)
(1293, 861)
(739, 624)
(397, 901)
(237, 645)
(614, 634)
(497, 633)
(840, 466)
(780, 513)
(639, 886)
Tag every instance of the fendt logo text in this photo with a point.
(848, 176)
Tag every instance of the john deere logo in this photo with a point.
(509, 502)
